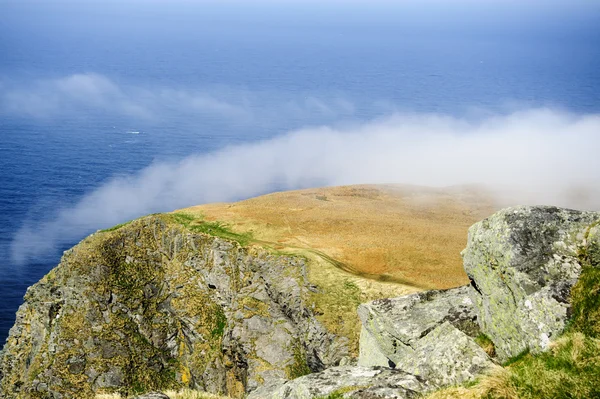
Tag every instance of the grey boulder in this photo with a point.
(523, 262)
(428, 334)
(350, 381)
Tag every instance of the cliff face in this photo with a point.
(153, 305)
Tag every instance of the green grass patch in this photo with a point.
(183, 218)
(216, 229)
(299, 366)
(571, 369)
(117, 227)
(517, 358)
(220, 323)
(585, 295)
(471, 383)
(592, 251)
(585, 299)
(335, 305)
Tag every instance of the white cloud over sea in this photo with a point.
(91, 92)
(536, 156)
(52, 97)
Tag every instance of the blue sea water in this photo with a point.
(89, 91)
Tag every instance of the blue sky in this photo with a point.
(437, 14)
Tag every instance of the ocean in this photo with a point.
(90, 92)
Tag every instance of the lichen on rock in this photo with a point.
(523, 263)
(352, 381)
(430, 334)
(153, 305)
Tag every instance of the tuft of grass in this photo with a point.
(493, 385)
(299, 367)
(333, 395)
(486, 344)
(516, 358)
(220, 323)
(117, 227)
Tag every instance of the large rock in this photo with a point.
(427, 334)
(153, 306)
(447, 356)
(522, 263)
(351, 381)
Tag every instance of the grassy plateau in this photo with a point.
(374, 241)
(407, 235)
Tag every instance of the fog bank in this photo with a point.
(538, 156)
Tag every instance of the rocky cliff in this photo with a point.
(153, 305)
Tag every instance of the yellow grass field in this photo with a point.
(388, 233)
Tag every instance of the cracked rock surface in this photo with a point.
(351, 381)
(523, 262)
(429, 334)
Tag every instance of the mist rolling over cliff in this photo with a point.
(528, 157)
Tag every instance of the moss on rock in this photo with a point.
(151, 305)
(522, 263)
